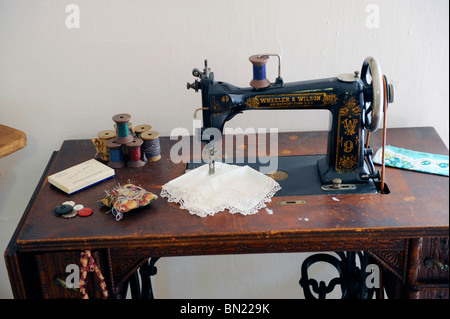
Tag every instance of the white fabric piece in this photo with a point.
(240, 189)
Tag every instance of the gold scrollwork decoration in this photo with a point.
(253, 102)
(347, 162)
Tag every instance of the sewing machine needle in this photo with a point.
(212, 168)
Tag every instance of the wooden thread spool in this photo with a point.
(259, 80)
(123, 129)
(141, 129)
(151, 146)
(100, 144)
(134, 148)
(115, 154)
(130, 128)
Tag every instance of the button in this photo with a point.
(84, 212)
(69, 202)
(72, 214)
(63, 209)
(78, 207)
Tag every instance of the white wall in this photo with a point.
(136, 56)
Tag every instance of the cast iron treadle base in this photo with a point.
(141, 288)
(352, 279)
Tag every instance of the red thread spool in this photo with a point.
(134, 148)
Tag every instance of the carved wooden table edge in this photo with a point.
(225, 245)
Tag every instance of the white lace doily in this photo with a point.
(240, 189)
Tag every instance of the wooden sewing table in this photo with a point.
(402, 230)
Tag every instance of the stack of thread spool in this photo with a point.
(132, 148)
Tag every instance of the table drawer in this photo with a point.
(51, 268)
(429, 260)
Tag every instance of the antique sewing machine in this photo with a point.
(356, 102)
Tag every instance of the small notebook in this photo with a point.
(81, 176)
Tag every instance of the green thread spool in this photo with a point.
(123, 131)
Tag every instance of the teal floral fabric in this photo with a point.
(413, 160)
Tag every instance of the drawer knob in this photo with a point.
(430, 262)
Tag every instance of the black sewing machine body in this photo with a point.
(345, 96)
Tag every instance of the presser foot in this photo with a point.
(337, 185)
